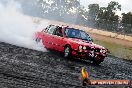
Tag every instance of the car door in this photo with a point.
(48, 37)
(58, 40)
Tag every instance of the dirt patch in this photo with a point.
(26, 68)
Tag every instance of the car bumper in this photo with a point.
(88, 55)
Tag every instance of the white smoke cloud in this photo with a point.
(17, 28)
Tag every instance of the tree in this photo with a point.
(112, 7)
(92, 14)
(108, 13)
(127, 18)
(127, 22)
(93, 11)
(107, 16)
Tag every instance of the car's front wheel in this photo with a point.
(97, 62)
(67, 51)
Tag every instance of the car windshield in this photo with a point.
(75, 33)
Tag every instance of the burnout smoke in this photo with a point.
(17, 28)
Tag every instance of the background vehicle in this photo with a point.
(73, 42)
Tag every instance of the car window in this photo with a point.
(51, 29)
(66, 32)
(58, 31)
(46, 29)
(70, 32)
(84, 35)
(75, 33)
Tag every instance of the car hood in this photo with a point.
(85, 43)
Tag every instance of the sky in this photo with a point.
(126, 4)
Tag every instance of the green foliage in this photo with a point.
(107, 15)
(93, 11)
(113, 6)
(104, 17)
(127, 22)
(127, 18)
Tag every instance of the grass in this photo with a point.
(116, 49)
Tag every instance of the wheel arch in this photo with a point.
(70, 51)
(67, 45)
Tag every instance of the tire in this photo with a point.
(67, 52)
(97, 62)
(38, 40)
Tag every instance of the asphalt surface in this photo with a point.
(26, 68)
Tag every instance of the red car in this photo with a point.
(71, 41)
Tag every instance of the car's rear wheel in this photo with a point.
(38, 40)
(67, 51)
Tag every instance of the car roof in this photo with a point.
(64, 26)
(75, 29)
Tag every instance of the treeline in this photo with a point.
(72, 11)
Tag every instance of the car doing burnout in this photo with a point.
(71, 41)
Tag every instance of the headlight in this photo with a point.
(102, 51)
(84, 47)
(80, 47)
